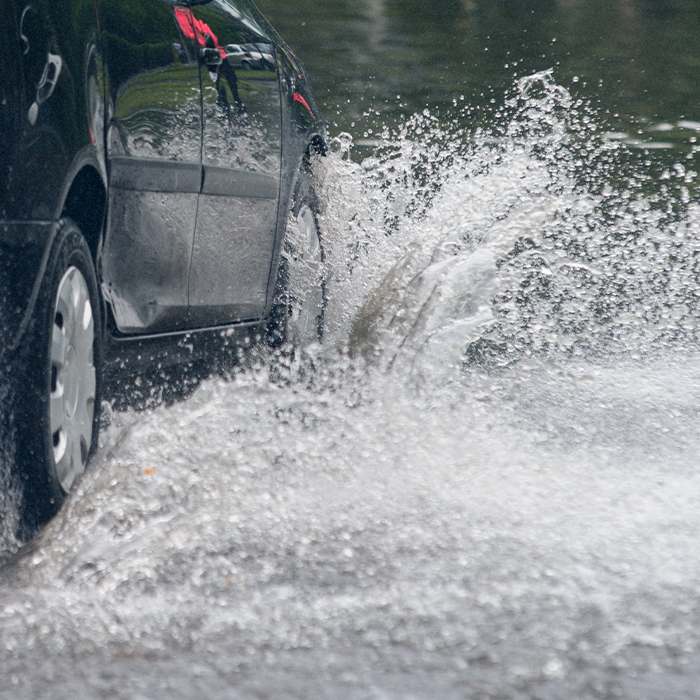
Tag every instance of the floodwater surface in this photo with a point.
(483, 484)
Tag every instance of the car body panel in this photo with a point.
(154, 142)
(44, 138)
(241, 154)
(43, 126)
(72, 111)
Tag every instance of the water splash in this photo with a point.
(581, 258)
(531, 529)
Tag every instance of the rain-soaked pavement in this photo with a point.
(483, 485)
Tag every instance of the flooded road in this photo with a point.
(483, 485)
(531, 536)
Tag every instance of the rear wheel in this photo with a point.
(60, 398)
(299, 305)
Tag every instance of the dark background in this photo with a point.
(637, 62)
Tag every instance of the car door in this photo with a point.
(237, 214)
(154, 140)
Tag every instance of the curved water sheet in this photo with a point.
(537, 238)
(484, 484)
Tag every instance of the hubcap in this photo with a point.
(73, 377)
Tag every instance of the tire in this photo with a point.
(58, 397)
(300, 296)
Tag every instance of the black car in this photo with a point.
(146, 185)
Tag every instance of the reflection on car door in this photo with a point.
(154, 148)
(237, 214)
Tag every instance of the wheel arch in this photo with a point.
(86, 204)
(317, 146)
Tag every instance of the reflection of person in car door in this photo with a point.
(226, 70)
(205, 38)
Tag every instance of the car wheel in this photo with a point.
(59, 397)
(300, 299)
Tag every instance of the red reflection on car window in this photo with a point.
(298, 98)
(194, 28)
